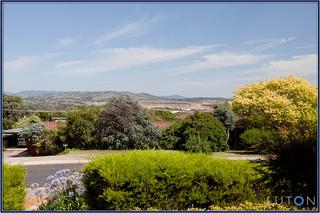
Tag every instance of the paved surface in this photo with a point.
(20, 156)
(39, 173)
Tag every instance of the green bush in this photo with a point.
(260, 139)
(170, 136)
(13, 187)
(46, 147)
(200, 124)
(198, 144)
(254, 207)
(166, 180)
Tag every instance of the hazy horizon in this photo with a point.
(165, 95)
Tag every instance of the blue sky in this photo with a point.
(203, 49)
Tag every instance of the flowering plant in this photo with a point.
(64, 190)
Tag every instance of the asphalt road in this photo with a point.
(39, 173)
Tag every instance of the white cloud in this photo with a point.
(63, 42)
(126, 58)
(307, 46)
(26, 62)
(69, 63)
(20, 63)
(268, 43)
(299, 65)
(130, 30)
(220, 60)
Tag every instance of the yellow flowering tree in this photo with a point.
(287, 105)
(286, 109)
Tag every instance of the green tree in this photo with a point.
(13, 110)
(199, 125)
(79, 129)
(287, 107)
(33, 132)
(225, 114)
(124, 124)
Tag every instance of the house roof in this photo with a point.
(51, 124)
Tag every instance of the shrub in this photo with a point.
(198, 144)
(294, 169)
(13, 187)
(170, 136)
(33, 132)
(49, 144)
(46, 147)
(260, 139)
(253, 207)
(166, 180)
(124, 124)
(201, 124)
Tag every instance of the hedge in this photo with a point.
(13, 187)
(166, 180)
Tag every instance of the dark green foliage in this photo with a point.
(13, 110)
(161, 115)
(64, 203)
(80, 126)
(202, 125)
(294, 169)
(13, 187)
(171, 136)
(166, 180)
(124, 124)
(46, 147)
(50, 144)
(259, 139)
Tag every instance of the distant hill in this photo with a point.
(175, 97)
(62, 100)
(36, 93)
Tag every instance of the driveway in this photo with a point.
(39, 173)
(20, 156)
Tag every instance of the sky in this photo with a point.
(188, 49)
